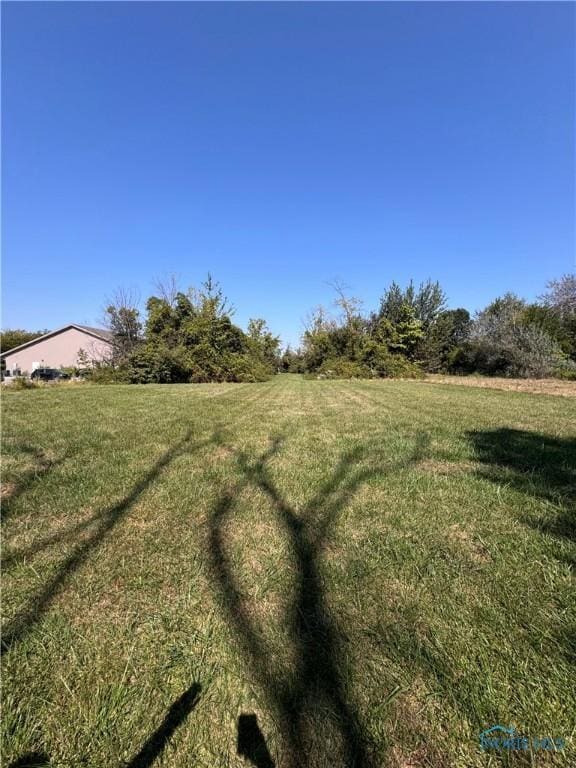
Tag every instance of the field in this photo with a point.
(295, 573)
(535, 386)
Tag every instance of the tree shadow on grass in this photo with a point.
(23, 623)
(31, 760)
(317, 682)
(13, 490)
(536, 465)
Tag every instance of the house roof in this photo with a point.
(98, 333)
(101, 333)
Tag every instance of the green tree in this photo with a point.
(263, 343)
(402, 335)
(14, 337)
(126, 328)
(447, 333)
(292, 361)
(426, 302)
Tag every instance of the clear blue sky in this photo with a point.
(280, 146)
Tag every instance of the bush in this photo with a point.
(461, 360)
(503, 344)
(567, 373)
(156, 364)
(382, 363)
(522, 352)
(205, 363)
(376, 362)
(104, 374)
(342, 368)
(20, 382)
(247, 369)
(401, 368)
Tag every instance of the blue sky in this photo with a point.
(280, 146)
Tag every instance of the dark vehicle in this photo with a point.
(48, 374)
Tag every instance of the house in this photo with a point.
(70, 346)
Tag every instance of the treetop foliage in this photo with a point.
(190, 337)
(13, 337)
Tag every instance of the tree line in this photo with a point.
(189, 336)
(413, 332)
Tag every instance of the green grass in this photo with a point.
(378, 571)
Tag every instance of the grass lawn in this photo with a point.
(308, 573)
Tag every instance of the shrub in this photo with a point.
(21, 382)
(342, 368)
(401, 368)
(376, 362)
(520, 351)
(503, 344)
(156, 364)
(105, 374)
(382, 363)
(247, 369)
(460, 360)
(567, 373)
(203, 364)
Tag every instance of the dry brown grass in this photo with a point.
(533, 386)
(7, 490)
(469, 544)
(441, 467)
